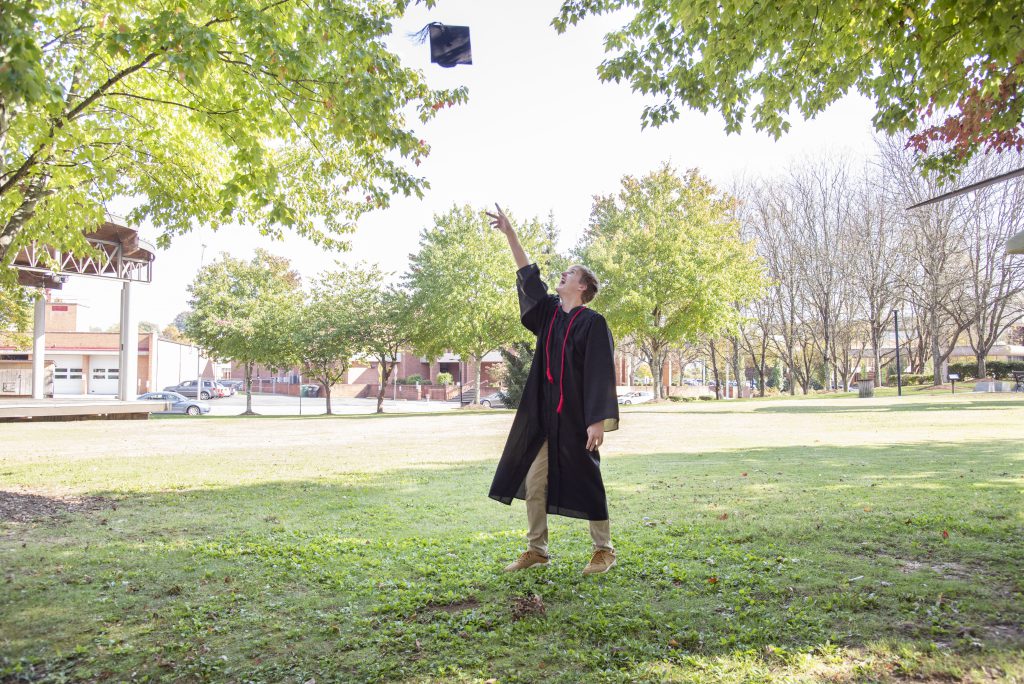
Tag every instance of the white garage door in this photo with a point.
(67, 374)
(103, 374)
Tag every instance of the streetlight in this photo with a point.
(899, 375)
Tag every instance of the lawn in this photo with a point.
(838, 539)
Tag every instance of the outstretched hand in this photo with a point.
(501, 222)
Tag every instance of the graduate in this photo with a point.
(551, 457)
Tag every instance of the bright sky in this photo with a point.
(540, 133)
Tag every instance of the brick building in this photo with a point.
(88, 362)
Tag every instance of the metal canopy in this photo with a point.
(120, 255)
(969, 188)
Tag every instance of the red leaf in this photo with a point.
(945, 534)
(713, 579)
(724, 516)
(744, 474)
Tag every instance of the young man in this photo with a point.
(551, 458)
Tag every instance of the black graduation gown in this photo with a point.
(586, 390)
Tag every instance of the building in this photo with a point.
(88, 363)
(363, 377)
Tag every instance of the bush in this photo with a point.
(705, 397)
(1000, 370)
(444, 379)
(913, 379)
(411, 380)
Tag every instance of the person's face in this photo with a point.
(571, 282)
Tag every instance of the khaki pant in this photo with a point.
(537, 509)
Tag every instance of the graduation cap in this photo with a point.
(449, 45)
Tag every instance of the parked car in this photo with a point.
(179, 404)
(635, 397)
(188, 389)
(236, 385)
(493, 400)
(225, 389)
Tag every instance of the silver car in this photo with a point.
(179, 403)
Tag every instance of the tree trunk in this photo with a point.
(876, 337)
(737, 367)
(476, 372)
(936, 362)
(385, 373)
(326, 379)
(714, 371)
(248, 390)
(982, 369)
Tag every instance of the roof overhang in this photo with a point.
(118, 254)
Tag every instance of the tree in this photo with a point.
(821, 197)
(462, 281)
(171, 332)
(241, 310)
(15, 315)
(275, 114)
(743, 59)
(673, 267)
(994, 280)
(382, 318)
(324, 334)
(935, 276)
(880, 259)
(518, 360)
(180, 320)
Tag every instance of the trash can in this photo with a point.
(310, 390)
(866, 388)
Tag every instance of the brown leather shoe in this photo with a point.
(527, 560)
(602, 561)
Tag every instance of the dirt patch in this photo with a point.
(953, 571)
(458, 606)
(1013, 634)
(23, 507)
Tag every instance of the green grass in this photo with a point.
(758, 541)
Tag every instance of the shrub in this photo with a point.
(444, 379)
(913, 379)
(1000, 370)
(411, 380)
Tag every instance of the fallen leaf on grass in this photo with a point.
(713, 579)
(673, 643)
(524, 606)
(724, 516)
(744, 474)
(945, 534)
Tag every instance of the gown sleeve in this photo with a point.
(600, 403)
(534, 299)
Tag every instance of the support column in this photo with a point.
(39, 348)
(128, 373)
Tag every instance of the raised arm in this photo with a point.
(501, 222)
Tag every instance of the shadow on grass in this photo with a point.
(868, 407)
(742, 557)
